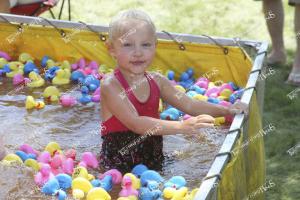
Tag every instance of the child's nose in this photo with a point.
(137, 51)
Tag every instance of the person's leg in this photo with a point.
(294, 77)
(4, 6)
(275, 27)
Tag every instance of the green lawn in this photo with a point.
(230, 18)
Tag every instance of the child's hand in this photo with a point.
(238, 108)
(193, 124)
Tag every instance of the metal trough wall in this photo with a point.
(208, 189)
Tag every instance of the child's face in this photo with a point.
(134, 49)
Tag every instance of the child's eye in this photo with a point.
(126, 44)
(147, 44)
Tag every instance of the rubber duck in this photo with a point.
(197, 89)
(12, 158)
(51, 93)
(98, 193)
(52, 188)
(31, 103)
(68, 166)
(16, 68)
(50, 73)
(85, 98)
(202, 82)
(56, 163)
(64, 180)
(128, 198)
(200, 97)
(44, 61)
(52, 148)
(83, 173)
(127, 188)
(77, 76)
(28, 149)
(139, 169)
(36, 80)
(136, 183)
(65, 65)
(176, 182)
(29, 67)
(80, 186)
(43, 175)
(108, 179)
(219, 121)
(91, 82)
(170, 114)
(67, 100)
(96, 97)
(24, 156)
(174, 194)
(44, 157)
(191, 195)
(32, 163)
(88, 159)
(19, 79)
(24, 57)
(3, 62)
(150, 191)
(150, 175)
(5, 56)
(62, 77)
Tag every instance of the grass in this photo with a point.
(228, 18)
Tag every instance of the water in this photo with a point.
(78, 127)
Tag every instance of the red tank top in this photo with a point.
(148, 108)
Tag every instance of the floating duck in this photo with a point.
(32, 163)
(43, 175)
(68, 166)
(170, 114)
(108, 179)
(16, 68)
(127, 188)
(67, 100)
(44, 157)
(51, 93)
(96, 97)
(5, 56)
(53, 147)
(174, 194)
(77, 76)
(139, 169)
(85, 98)
(88, 159)
(12, 158)
(52, 187)
(24, 57)
(24, 156)
(29, 67)
(19, 79)
(80, 186)
(175, 182)
(62, 77)
(36, 80)
(150, 175)
(150, 191)
(83, 173)
(98, 193)
(136, 183)
(31, 103)
(50, 73)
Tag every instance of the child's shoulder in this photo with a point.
(109, 82)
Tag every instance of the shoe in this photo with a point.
(293, 79)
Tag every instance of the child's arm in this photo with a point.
(125, 112)
(194, 107)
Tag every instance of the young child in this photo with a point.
(131, 129)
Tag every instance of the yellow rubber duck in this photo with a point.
(62, 77)
(174, 194)
(83, 173)
(16, 67)
(32, 164)
(219, 121)
(51, 93)
(36, 80)
(200, 97)
(65, 65)
(80, 187)
(128, 198)
(24, 57)
(192, 195)
(31, 103)
(3, 62)
(180, 88)
(11, 158)
(52, 148)
(98, 193)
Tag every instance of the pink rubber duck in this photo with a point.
(68, 166)
(28, 149)
(44, 157)
(88, 159)
(96, 95)
(5, 56)
(67, 100)
(127, 188)
(19, 79)
(43, 175)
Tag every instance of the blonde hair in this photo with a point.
(119, 24)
